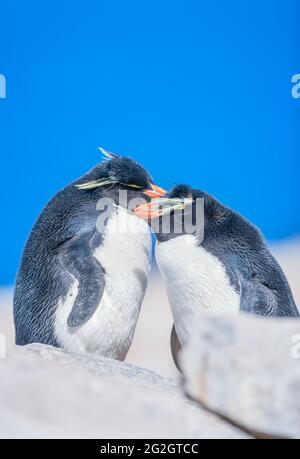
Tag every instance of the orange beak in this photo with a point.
(160, 207)
(155, 192)
(147, 211)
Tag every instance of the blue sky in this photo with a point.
(198, 92)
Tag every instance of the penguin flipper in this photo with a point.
(80, 263)
(254, 300)
(257, 298)
(175, 347)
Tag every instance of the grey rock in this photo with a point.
(247, 369)
(102, 366)
(46, 393)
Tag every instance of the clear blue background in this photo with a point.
(197, 91)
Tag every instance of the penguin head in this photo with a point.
(119, 173)
(184, 210)
(182, 192)
(167, 215)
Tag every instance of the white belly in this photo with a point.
(196, 282)
(126, 259)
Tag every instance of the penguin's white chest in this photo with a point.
(125, 255)
(196, 282)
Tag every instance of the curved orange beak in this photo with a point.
(161, 206)
(155, 192)
(147, 211)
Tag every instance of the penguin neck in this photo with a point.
(196, 283)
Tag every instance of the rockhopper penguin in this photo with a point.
(80, 285)
(225, 269)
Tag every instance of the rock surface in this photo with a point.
(248, 370)
(46, 393)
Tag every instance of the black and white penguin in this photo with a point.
(85, 267)
(226, 268)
